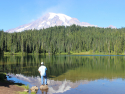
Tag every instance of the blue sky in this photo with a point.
(102, 13)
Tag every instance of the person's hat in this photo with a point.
(42, 63)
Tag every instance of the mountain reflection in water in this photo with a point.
(70, 74)
(54, 86)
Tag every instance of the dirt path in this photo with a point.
(9, 88)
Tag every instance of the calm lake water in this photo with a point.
(69, 74)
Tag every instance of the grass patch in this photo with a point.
(26, 92)
(22, 85)
(33, 92)
(23, 92)
(18, 54)
(95, 53)
(26, 87)
(73, 53)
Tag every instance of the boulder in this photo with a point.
(44, 90)
(33, 91)
(34, 88)
(44, 87)
(26, 90)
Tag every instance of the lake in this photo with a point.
(69, 74)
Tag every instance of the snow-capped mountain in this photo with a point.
(50, 20)
(111, 26)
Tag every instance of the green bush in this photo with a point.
(2, 76)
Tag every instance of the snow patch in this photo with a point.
(19, 30)
(42, 22)
(22, 29)
(66, 24)
(111, 26)
(62, 17)
(53, 25)
(48, 23)
(52, 15)
(40, 26)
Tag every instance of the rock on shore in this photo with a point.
(44, 87)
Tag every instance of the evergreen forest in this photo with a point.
(61, 39)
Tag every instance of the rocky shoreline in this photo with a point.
(9, 87)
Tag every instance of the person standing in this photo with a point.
(42, 70)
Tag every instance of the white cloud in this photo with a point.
(61, 7)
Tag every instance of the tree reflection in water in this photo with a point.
(65, 72)
(86, 67)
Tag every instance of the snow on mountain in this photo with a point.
(111, 26)
(50, 20)
(62, 17)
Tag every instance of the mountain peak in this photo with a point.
(111, 26)
(62, 17)
(50, 20)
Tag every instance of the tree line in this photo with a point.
(61, 39)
